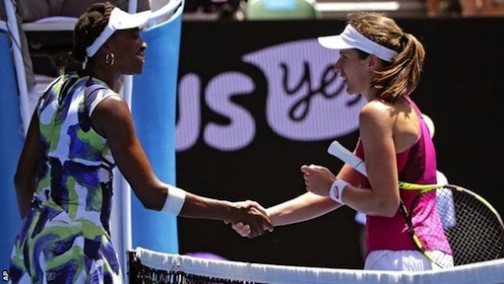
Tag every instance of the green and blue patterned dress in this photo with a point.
(65, 237)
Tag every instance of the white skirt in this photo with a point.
(404, 260)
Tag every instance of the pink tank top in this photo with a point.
(415, 165)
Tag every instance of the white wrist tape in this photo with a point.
(174, 200)
(336, 191)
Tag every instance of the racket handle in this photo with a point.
(342, 153)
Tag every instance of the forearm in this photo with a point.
(248, 213)
(369, 202)
(172, 200)
(206, 208)
(302, 208)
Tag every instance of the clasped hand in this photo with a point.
(252, 219)
(318, 179)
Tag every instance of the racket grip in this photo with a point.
(342, 153)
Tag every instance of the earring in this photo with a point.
(110, 58)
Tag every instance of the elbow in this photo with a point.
(149, 205)
(19, 180)
(387, 209)
(152, 205)
(150, 201)
(389, 212)
(151, 195)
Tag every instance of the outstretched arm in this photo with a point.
(112, 119)
(302, 208)
(306, 206)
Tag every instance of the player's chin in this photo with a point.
(138, 65)
(137, 69)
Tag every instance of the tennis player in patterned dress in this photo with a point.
(80, 130)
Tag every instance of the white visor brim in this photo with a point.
(351, 38)
(119, 20)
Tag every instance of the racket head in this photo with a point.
(471, 225)
(474, 228)
(476, 233)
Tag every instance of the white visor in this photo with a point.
(119, 20)
(351, 38)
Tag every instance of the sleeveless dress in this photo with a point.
(65, 237)
(415, 165)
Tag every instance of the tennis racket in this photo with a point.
(474, 229)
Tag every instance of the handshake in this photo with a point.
(250, 219)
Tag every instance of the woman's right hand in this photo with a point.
(252, 221)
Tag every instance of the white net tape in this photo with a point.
(481, 273)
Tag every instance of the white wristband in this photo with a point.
(336, 191)
(174, 200)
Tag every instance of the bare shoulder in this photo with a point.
(112, 104)
(375, 111)
(111, 114)
(114, 98)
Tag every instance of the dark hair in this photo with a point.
(401, 76)
(89, 27)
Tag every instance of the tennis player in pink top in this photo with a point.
(378, 60)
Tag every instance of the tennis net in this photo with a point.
(146, 266)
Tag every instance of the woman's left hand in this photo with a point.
(318, 179)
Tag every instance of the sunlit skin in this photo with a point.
(355, 73)
(129, 49)
(112, 119)
(390, 126)
(129, 57)
(70, 163)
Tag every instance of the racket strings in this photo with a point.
(477, 231)
(472, 227)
